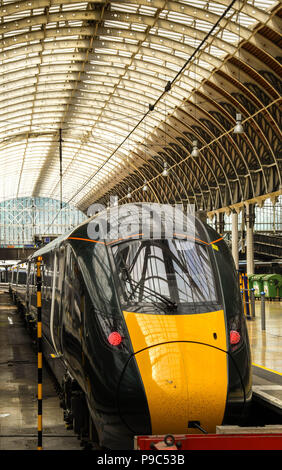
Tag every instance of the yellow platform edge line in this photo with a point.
(266, 368)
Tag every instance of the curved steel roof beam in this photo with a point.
(160, 147)
(197, 13)
(161, 26)
(221, 129)
(244, 111)
(151, 158)
(216, 106)
(40, 20)
(160, 35)
(104, 13)
(204, 176)
(177, 127)
(176, 130)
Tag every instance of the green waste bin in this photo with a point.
(258, 283)
(272, 284)
(251, 279)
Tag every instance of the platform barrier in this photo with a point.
(249, 306)
(39, 352)
(248, 300)
(182, 442)
(247, 294)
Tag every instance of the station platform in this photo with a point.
(266, 350)
(18, 383)
(18, 390)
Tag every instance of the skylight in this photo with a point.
(90, 70)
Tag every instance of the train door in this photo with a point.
(27, 295)
(73, 306)
(57, 296)
(30, 288)
(17, 280)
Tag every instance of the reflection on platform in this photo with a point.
(266, 346)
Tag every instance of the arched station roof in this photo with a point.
(131, 84)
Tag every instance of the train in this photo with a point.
(145, 333)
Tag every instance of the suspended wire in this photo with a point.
(152, 106)
(36, 126)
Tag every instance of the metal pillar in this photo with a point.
(219, 224)
(250, 238)
(61, 169)
(262, 310)
(234, 237)
(253, 303)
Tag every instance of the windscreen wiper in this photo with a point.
(169, 303)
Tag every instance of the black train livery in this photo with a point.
(145, 333)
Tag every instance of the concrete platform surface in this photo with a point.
(266, 350)
(18, 391)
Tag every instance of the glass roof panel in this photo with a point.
(92, 69)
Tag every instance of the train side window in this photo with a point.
(48, 273)
(69, 262)
(96, 270)
(30, 278)
(78, 289)
(30, 274)
(57, 273)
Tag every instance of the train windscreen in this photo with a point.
(173, 275)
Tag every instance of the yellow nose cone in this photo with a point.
(183, 366)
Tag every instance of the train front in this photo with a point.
(177, 377)
(173, 304)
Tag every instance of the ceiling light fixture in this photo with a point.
(238, 129)
(165, 170)
(195, 151)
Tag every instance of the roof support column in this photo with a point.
(202, 215)
(219, 224)
(250, 219)
(234, 238)
(274, 200)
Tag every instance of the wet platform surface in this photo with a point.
(266, 349)
(18, 391)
